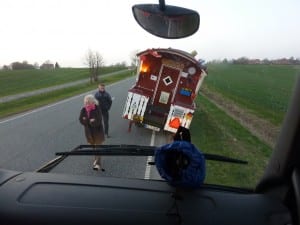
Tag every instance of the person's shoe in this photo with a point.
(96, 167)
(103, 170)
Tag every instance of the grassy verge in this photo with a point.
(215, 132)
(29, 103)
(20, 81)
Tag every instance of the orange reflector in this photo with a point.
(189, 115)
(174, 123)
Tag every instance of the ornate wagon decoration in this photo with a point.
(167, 83)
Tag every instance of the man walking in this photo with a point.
(105, 102)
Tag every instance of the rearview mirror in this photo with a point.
(166, 21)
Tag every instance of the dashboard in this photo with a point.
(48, 198)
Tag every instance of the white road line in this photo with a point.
(149, 158)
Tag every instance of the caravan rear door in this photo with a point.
(166, 87)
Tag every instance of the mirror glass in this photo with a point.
(172, 22)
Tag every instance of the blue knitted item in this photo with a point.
(181, 164)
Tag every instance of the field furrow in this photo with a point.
(261, 128)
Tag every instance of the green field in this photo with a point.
(263, 89)
(19, 81)
(214, 132)
(28, 103)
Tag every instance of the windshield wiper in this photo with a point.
(134, 150)
(109, 150)
(122, 150)
(223, 159)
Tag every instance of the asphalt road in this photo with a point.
(29, 140)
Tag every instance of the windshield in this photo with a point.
(63, 62)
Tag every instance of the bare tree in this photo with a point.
(57, 66)
(94, 61)
(90, 61)
(36, 65)
(99, 63)
(133, 58)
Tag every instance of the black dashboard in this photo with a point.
(47, 198)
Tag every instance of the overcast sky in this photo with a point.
(63, 30)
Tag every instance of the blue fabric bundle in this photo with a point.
(181, 164)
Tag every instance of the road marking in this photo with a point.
(149, 158)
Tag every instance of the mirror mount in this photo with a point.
(162, 5)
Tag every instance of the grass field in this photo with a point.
(28, 103)
(263, 89)
(215, 132)
(19, 81)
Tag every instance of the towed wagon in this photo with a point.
(163, 96)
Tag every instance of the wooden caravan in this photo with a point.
(167, 84)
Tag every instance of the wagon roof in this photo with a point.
(178, 52)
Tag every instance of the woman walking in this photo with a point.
(91, 118)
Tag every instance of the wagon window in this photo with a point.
(164, 97)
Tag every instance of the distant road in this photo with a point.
(53, 88)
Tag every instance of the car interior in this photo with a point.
(42, 197)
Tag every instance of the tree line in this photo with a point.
(25, 65)
(245, 60)
(93, 59)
